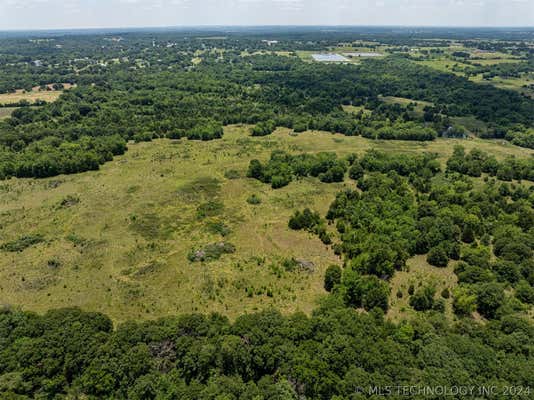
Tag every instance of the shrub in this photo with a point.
(209, 209)
(279, 181)
(212, 251)
(254, 199)
(22, 243)
(356, 171)
(218, 227)
(423, 298)
(307, 219)
(367, 291)
(464, 302)
(263, 128)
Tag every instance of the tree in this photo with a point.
(490, 296)
(438, 257)
(525, 292)
(356, 171)
(367, 291)
(332, 277)
(423, 298)
(464, 302)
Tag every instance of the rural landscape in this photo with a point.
(267, 213)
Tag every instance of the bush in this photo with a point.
(423, 298)
(525, 292)
(209, 209)
(332, 277)
(307, 219)
(464, 303)
(211, 252)
(142, 137)
(438, 257)
(279, 181)
(356, 171)
(254, 199)
(218, 227)
(263, 128)
(22, 243)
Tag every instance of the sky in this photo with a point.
(58, 14)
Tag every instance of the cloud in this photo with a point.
(33, 14)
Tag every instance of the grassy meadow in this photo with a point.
(117, 240)
(31, 96)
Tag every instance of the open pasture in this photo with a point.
(118, 240)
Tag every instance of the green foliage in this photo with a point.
(209, 209)
(332, 277)
(282, 168)
(525, 292)
(210, 252)
(218, 227)
(477, 162)
(367, 291)
(423, 298)
(307, 219)
(206, 357)
(438, 257)
(254, 199)
(263, 128)
(490, 296)
(464, 302)
(22, 243)
(521, 136)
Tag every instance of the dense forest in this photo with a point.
(337, 353)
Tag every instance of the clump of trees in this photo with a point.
(521, 135)
(399, 130)
(312, 222)
(263, 128)
(394, 216)
(477, 162)
(283, 167)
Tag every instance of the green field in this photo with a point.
(117, 240)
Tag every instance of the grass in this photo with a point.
(122, 247)
(516, 84)
(419, 273)
(419, 104)
(32, 97)
(5, 112)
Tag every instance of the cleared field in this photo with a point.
(419, 273)
(117, 240)
(32, 97)
(445, 65)
(6, 111)
(419, 104)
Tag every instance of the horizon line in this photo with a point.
(207, 26)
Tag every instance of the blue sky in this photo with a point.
(52, 14)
